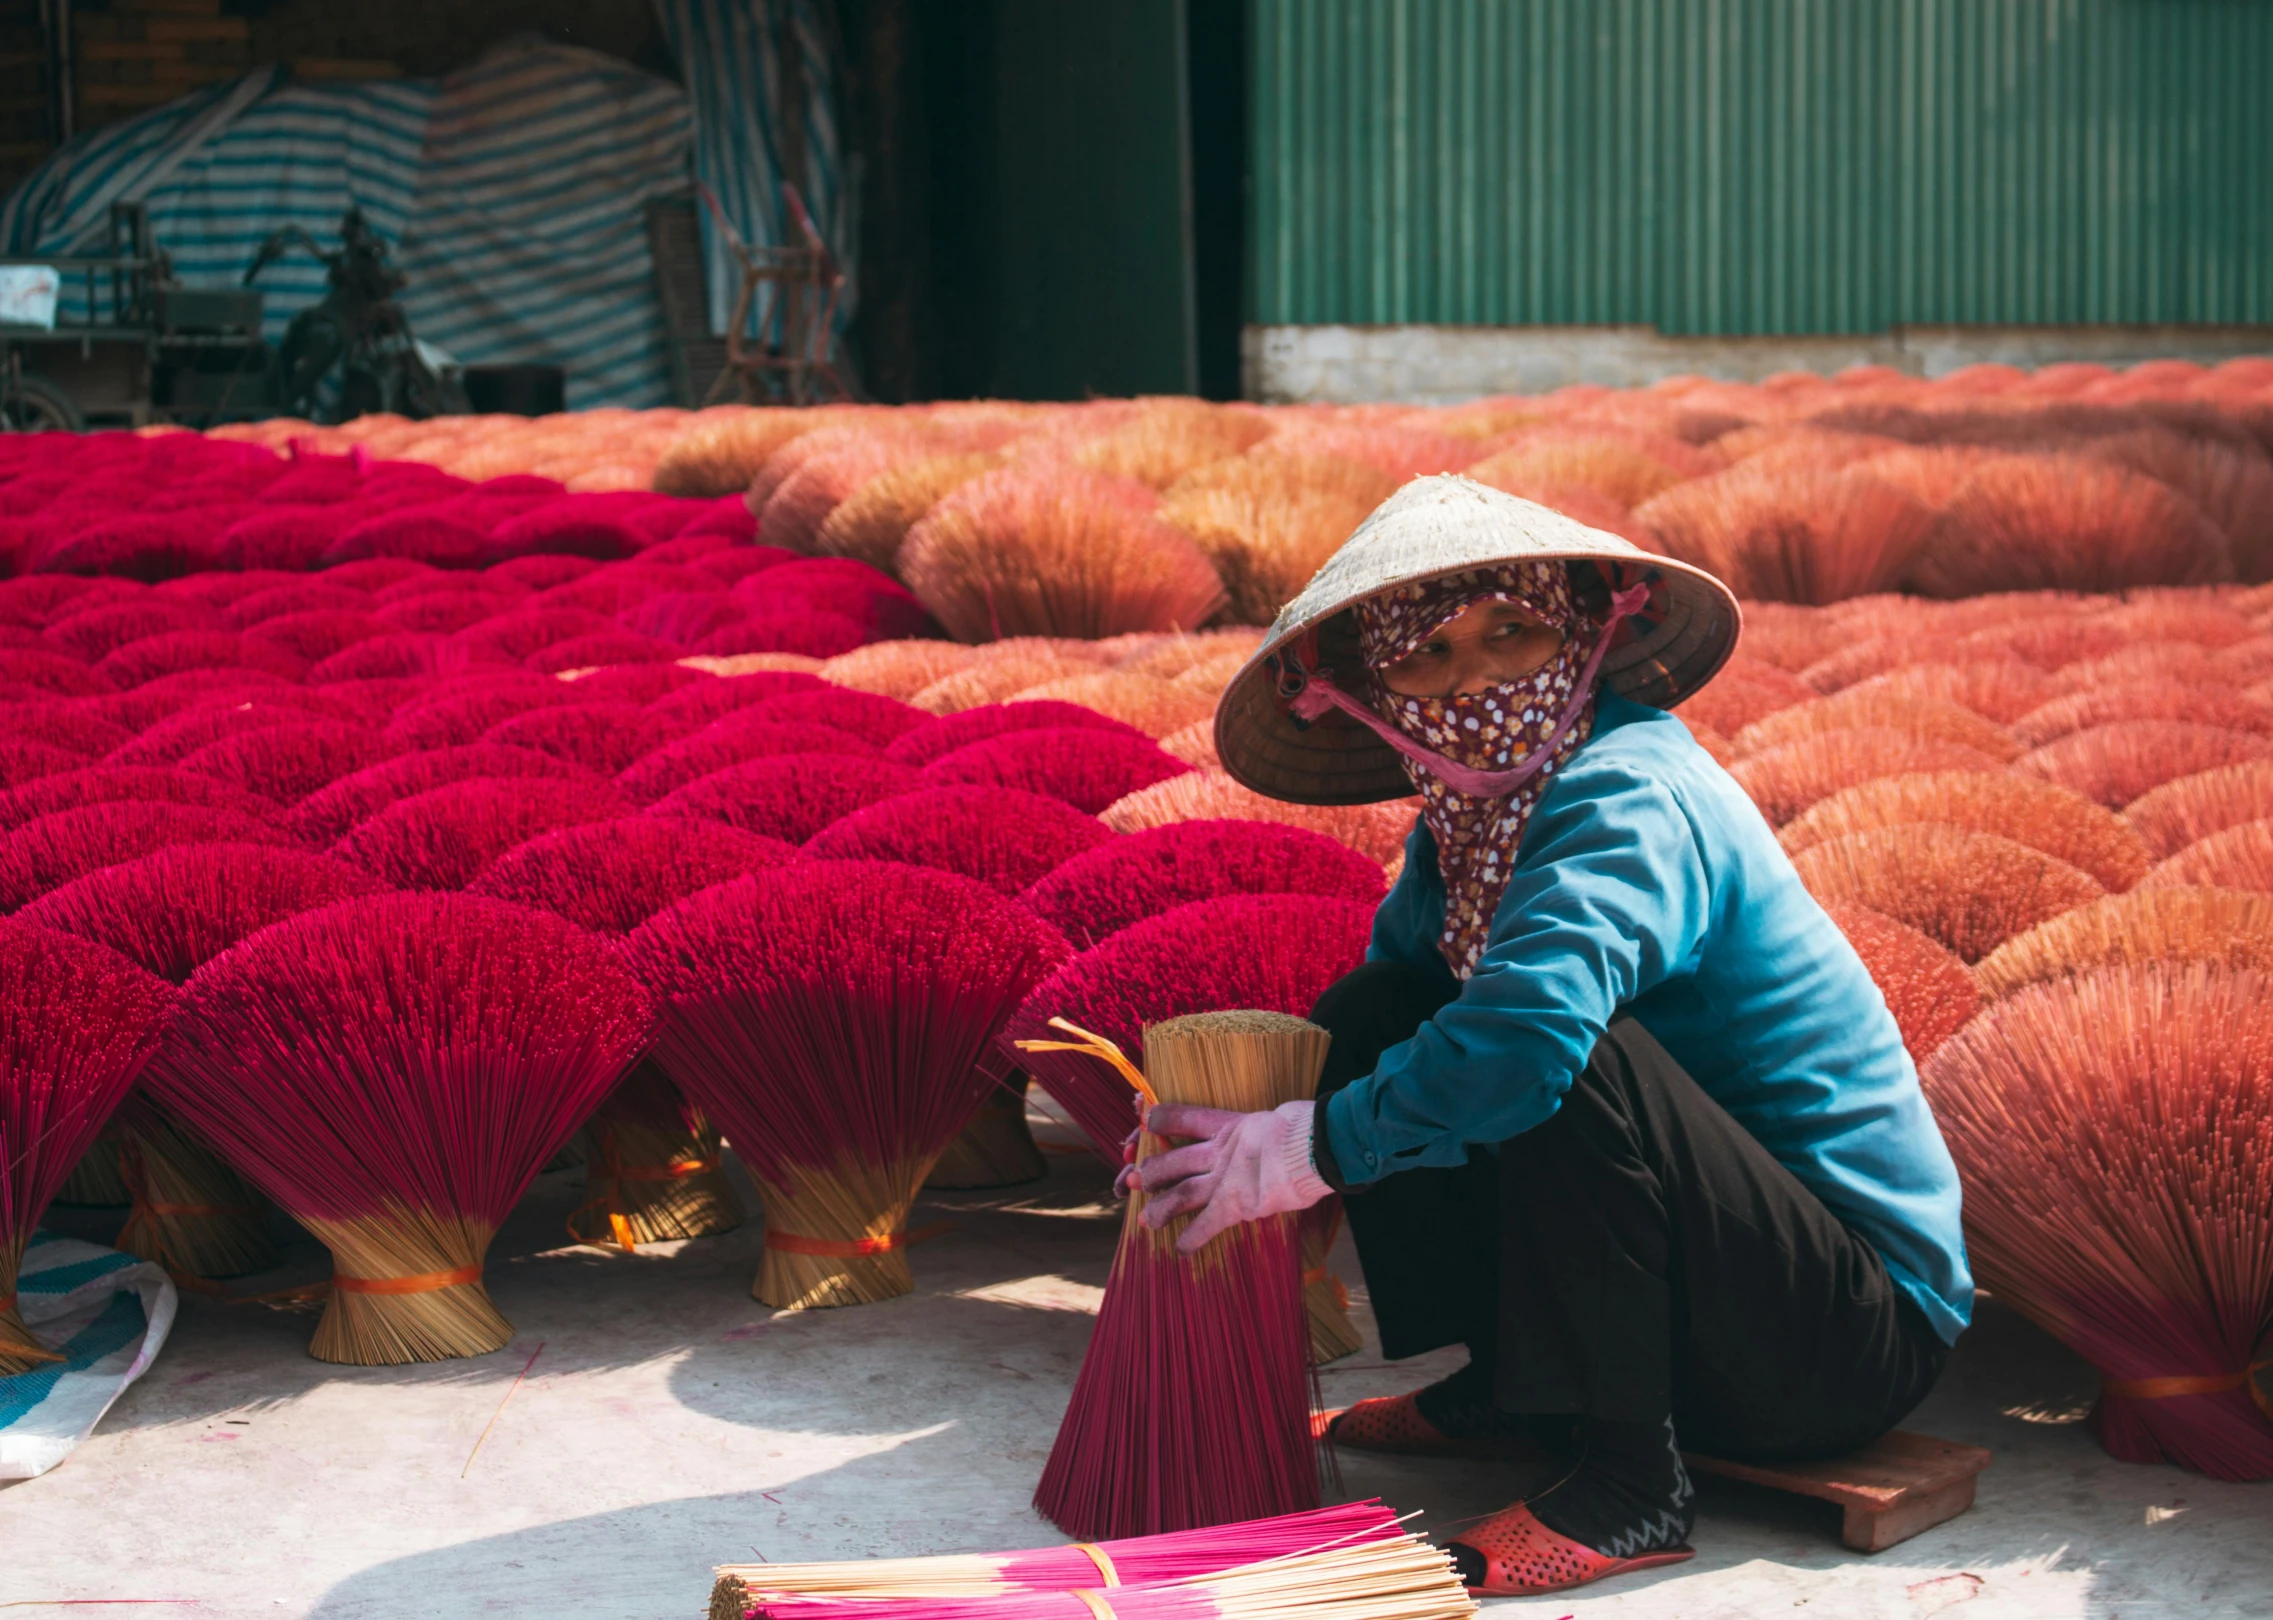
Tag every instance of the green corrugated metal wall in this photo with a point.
(1761, 166)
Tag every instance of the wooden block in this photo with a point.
(1898, 1485)
(1869, 1531)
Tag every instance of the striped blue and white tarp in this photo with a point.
(303, 154)
(528, 237)
(727, 53)
(513, 189)
(107, 1314)
(61, 207)
(225, 167)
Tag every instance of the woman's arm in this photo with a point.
(1609, 898)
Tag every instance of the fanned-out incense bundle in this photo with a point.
(170, 913)
(1095, 895)
(830, 1016)
(78, 1022)
(2227, 927)
(654, 1162)
(1403, 1578)
(393, 1071)
(1192, 1405)
(2115, 1132)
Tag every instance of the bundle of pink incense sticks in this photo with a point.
(1352, 1559)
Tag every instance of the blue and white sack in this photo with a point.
(107, 1313)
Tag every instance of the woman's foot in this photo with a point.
(1511, 1554)
(1627, 1505)
(1451, 1418)
(1394, 1423)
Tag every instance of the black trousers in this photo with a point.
(1638, 1255)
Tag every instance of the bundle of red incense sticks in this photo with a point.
(1191, 1407)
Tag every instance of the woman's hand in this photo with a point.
(1239, 1167)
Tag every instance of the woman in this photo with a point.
(1614, 1103)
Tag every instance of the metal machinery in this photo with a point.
(132, 345)
(359, 326)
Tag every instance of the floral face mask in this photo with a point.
(1498, 730)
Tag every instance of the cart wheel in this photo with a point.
(29, 403)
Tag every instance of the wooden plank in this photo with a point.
(1898, 1485)
(1870, 1532)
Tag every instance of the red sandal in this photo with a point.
(1394, 1423)
(1522, 1557)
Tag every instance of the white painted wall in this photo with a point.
(1429, 365)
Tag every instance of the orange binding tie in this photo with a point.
(2163, 1389)
(1096, 1555)
(1098, 1047)
(608, 1199)
(665, 1172)
(141, 1221)
(1320, 1274)
(1094, 1602)
(423, 1284)
(852, 1248)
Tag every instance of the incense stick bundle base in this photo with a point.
(1192, 1405)
(997, 1149)
(1325, 1302)
(192, 1214)
(574, 1154)
(837, 1237)
(94, 1181)
(406, 1287)
(656, 1170)
(20, 1348)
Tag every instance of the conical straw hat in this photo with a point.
(1441, 525)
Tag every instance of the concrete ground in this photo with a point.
(667, 1422)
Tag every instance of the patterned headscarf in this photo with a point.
(1477, 838)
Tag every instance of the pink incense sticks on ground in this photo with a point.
(743, 1590)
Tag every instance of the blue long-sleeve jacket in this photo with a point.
(1647, 884)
